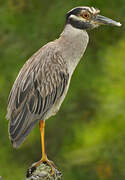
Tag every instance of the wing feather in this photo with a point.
(40, 83)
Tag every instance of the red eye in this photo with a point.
(86, 15)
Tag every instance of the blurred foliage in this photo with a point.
(89, 143)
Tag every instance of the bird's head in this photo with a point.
(88, 18)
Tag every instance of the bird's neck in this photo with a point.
(73, 42)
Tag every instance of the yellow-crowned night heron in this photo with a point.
(43, 82)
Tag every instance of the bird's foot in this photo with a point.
(45, 160)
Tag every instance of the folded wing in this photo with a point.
(40, 83)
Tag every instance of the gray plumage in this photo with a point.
(43, 82)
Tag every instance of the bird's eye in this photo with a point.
(86, 15)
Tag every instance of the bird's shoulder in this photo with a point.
(49, 55)
(47, 59)
(46, 62)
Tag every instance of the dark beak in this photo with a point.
(102, 20)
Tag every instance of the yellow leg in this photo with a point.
(42, 132)
(44, 158)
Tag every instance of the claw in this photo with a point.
(49, 163)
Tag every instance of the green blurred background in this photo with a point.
(86, 139)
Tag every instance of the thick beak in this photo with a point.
(102, 20)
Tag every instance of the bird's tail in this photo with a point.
(20, 126)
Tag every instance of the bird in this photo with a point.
(43, 81)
